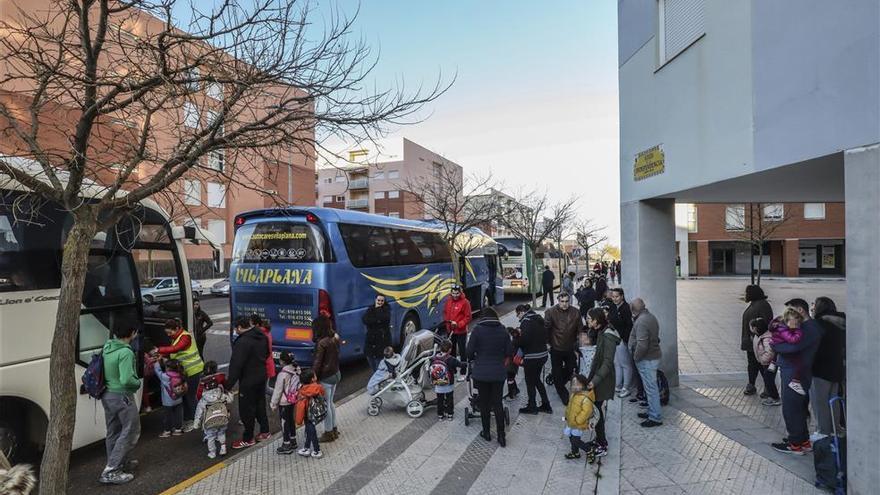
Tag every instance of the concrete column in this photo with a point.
(862, 184)
(703, 258)
(648, 251)
(791, 257)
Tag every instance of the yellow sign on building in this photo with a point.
(649, 163)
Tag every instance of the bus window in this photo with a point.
(284, 242)
(370, 246)
(30, 244)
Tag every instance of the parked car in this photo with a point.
(220, 288)
(160, 289)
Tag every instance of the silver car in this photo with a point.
(160, 289)
(220, 288)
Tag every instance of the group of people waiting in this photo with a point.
(807, 347)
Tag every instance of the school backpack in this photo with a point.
(439, 372)
(663, 387)
(93, 382)
(216, 415)
(291, 392)
(317, 410)
(177, 388)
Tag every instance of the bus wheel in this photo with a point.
(409, 326)
(8, 441)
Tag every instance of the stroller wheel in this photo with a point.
(373, 411)
(467, 417)
(507, 416)
(415, 408)
(376, 402)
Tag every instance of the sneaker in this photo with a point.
(460, 378)
(285, 449)
(769, 401)
(763, 395)
(573, 455)
(624, 393)
(222, 449)
(643, 415)
(262, 437)
(242, 444)
(791, 448)
(212, 455)
(304, 452)
(528, 410)
(618, 389)
(634, 399)
(600, 450)
(116, 477)
(797, 387)
(650, 423)
(177, 433)
(188, 426)
(545, 408)
(317, 455)
(749, 390)
(643, 403)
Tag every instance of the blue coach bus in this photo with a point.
(290, 265)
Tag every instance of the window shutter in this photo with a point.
(683, 23)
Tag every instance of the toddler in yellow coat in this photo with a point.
(577, 416)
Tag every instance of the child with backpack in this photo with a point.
(210, 379)
(213, 415)
(172, 382)
(284, 396)
(311, 409)
(577, 416)
(442, 372)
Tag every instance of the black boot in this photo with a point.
(486, 435)
(545, 408)
(529, 409)
(502, 440)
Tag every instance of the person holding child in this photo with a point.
(309, 390)
(788, 330)
(284, 397)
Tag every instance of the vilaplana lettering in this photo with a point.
(274, 276)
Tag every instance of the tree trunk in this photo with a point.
(760, 262)
(62, 382)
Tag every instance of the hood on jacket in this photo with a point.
(213, 395)
(114, 345)
(311, 390)
(754, 293)
(836, 319)
(611, 331)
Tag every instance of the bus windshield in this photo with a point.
(514, 246)
(281, 241)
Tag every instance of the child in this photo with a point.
(586, 351)
(173, 386)
(387, 369)
(213, 415)
(307, 392)
(512, 368)
(577, 417)
(210, 379)
(442, 371)
(284, 395)
(788, 329)
(761, 340)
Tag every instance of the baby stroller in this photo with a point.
(405, 385)
(473, 411)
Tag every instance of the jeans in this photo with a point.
(754, 366)
(820, 392)
(214, 437)
(490, 402)
(288, 425)
(623, 366)
(374, 362)
(173, 417)
(312, 437)
(123, 427)
(329, 390)
(251, 407)
(532, 370)
(769, 383)
(189, 400)
(795, 409)
(563, 364)
(459, 350)
(445, 404)
(648, 372)
(548, 292)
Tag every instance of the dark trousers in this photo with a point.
(512, 389)
(532, 371)
(600, 425)
(563, 364)
(795, 409)
(312, 437)
(288, 425)
(200, 344)
(769, 383)
(189, 400)
(173, 417)
(548, 292)
(459, 349)
(252, 406)
(490, 402)
(578, 443)
(445, 404)
(754, 366)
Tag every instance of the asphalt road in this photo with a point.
(164, 463)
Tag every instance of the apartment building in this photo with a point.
(367, 183)
(799, 239)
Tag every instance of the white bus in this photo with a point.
(31, 235)
(523, 268)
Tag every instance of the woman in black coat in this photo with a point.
(829, 365)
(758, 308)
(377, 319)
(488, 350)
(533, 344)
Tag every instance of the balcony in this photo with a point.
(357, 184)
(357, 204)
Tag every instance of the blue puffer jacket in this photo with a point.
(488, 347)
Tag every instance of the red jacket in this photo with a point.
(270, 361)
(306, 392)
(218, 378)
(182, 344)
(459, 311)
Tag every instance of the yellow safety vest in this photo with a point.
(189, 357)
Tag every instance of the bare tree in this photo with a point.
(588, 235)
(756, 223)
(534, 218)
(110, 96)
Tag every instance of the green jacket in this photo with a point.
(119, 368)
(602, 369)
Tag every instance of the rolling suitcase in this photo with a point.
(829, 457)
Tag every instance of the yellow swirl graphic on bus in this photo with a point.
(429, 292)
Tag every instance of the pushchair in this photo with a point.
(406, 385)
(473, 411)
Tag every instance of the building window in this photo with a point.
(328, 199)
(393, 174)
(340, 198)
(328, 180)
(214, 90)
(735, 217)
(393, 194)
(394, 214)
(380, 175)
(378, 195)
(814, 211)
(216, 195)
(692, 218)
(190, 115)
(340, 178)
(774, 212)
(216, 160)
(681, 22)
(192, 192)
(218, 229)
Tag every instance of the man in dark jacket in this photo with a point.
(795, 407)
(586, 297)
(377, 319)
(487, 350)
(547, 280)
(247, 367)
(758, 308)
(620, 317)
(533, 344)
(563, 324)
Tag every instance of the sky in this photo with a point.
(534, 100)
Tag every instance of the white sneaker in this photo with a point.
(461, 378)
(317, 455)
(188, 426)
(222, 449)
(304, 452)
(212, 455)
(624, 393)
